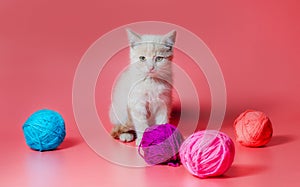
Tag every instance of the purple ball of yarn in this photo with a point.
(160, 145)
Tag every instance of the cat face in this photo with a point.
(151, 55)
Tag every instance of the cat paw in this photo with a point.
(138, 141)
(126, 137)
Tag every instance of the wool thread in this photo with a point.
(44, 130)
(207, 153)
(253, 128)
(160, 145)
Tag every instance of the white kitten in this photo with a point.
(142, 95)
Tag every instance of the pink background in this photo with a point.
(41, 43)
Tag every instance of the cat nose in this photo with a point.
(151, 68)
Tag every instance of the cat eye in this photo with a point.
(142, 58)
(159, 58)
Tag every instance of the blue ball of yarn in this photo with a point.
(44, 130)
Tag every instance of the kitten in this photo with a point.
(142, 95)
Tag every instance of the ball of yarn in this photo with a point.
(253, 128)
(207, 153)
(160, 145)
(44, 130)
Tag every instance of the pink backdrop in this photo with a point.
(41, 43)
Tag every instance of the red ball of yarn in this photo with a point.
(253, 128)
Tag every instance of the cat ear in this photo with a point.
(170, 38)
(133, 37)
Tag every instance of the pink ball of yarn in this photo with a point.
(253, 128)
(207, 153)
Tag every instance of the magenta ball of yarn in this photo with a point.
(207, 153)
(160, 145)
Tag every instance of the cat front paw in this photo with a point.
(126, 137)
(138, 141)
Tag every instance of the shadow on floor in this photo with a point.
(280, 139)
(70, 142)
(242, 170)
